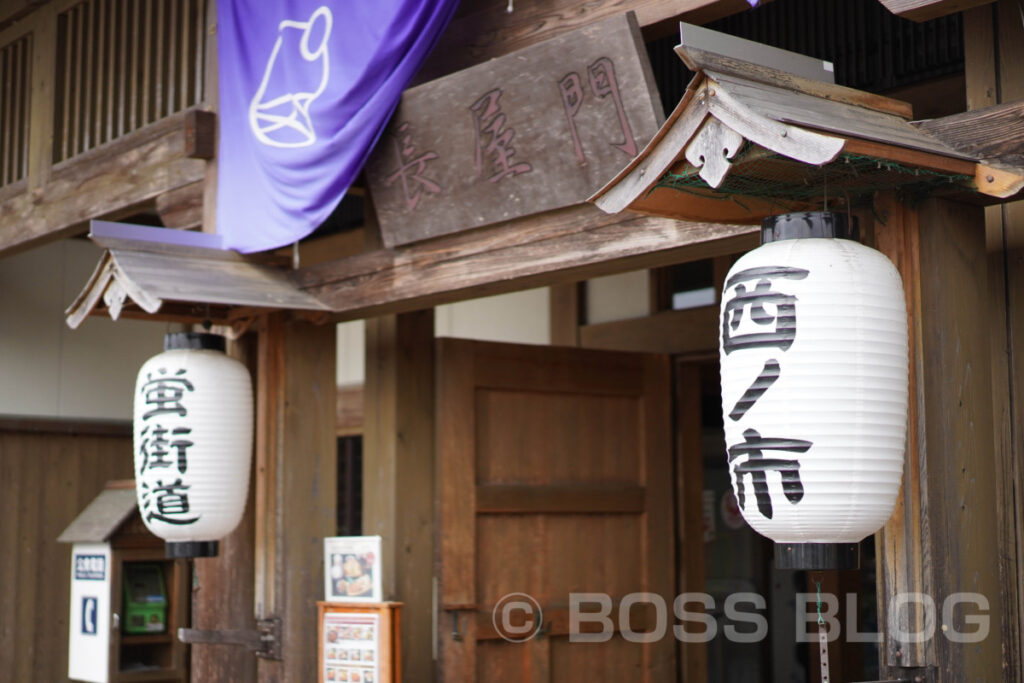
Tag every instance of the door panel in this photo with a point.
(554, 477)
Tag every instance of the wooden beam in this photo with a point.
(688, 331)
(125, 173)
(993, 133)
(482, 29)
(181, 208)
(562, 246)
(296, 491)
(923, 10)
(398, 473)
(530, 499)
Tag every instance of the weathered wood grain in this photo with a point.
(532, 131)
(116, 177)
(961, 474)
(564, 245)
(703, 60)
(994, 133)
(483, 30)
(903, 548)
(398, 472)
(994, 70)
(923, 10)
(296, 492)
(181, 208)
(559, 454)
(222, 597)
(49, 473)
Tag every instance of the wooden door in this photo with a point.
(554, 477)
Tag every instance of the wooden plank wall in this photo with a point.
(49, 472)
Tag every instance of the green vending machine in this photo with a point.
(145, 599)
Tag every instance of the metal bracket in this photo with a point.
(265, 641)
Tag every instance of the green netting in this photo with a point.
(854, 178)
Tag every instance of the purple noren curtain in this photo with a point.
(306, 88)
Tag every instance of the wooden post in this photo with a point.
(222, 587)
(994, 70)
(398, 473)
(943, 537)
(567, 305)
(211, 101)
(295, 496)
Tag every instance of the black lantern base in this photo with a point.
(817, 556)
(189, 549)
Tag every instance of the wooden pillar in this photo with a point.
(398, 473)
(296, 489)
(567, 312)
(222, 586)
(943, 537)
(994, 69)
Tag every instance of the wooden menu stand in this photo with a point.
(359, 642)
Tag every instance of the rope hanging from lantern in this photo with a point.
(822, 639)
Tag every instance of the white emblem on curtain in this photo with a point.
(279, 112)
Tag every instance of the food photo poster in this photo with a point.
(352, 569)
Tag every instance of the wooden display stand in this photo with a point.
(359, 642)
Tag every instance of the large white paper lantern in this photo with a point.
(193, 423)
(814, 364)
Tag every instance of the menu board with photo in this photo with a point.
(351, 647)
(352, 569)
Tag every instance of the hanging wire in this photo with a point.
(821, 620)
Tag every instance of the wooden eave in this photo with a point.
(741, 121)
(183, 282)
(102, 517)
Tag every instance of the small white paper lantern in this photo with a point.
(193, 423)
(814, 363)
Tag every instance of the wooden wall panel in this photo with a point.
(46, 479)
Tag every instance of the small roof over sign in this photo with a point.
(103, 516)
(182, 276)
(749, 140)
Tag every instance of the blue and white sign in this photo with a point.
(90, 567)
(306, 88)
(89, 623)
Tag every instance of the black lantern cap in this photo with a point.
(188, 549)
(790, 226)
(817, 556)
(194, 341)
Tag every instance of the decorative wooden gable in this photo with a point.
(747, 141)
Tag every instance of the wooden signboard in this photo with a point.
(359, 642)
(535, 130)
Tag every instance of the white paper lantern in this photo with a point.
(193, 420)
(814, 364)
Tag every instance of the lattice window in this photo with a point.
(123, 65)
(15, 59)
